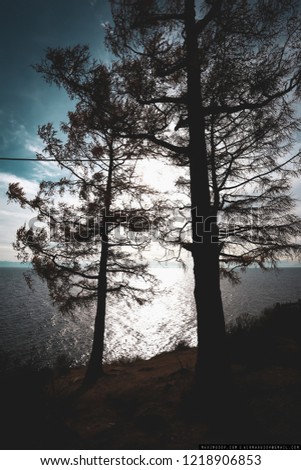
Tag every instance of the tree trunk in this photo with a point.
(95, 366)
(211, 366)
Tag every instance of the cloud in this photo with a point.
(32, 146)
(16, 133)
(48, 170)
(30, 187)
(20, 143)
(16, 137)
(12, 216)
(159, 175)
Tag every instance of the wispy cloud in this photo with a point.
(47, 170)
(33, 146)
(15, 135)
(28, 144)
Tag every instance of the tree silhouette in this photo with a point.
(217, 83)
(95, 207)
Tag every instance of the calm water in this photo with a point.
(32, 330)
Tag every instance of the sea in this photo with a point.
(33, 332)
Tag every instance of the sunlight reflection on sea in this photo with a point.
(31, 329)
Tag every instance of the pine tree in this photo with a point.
(216, 84)
(89, 248)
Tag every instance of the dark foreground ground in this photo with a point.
(152, 404)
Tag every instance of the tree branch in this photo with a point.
(261, 175)
(155, 140)
(164, 99)
(168, 17)
(229, 109)
(212, 13)
(172, 69)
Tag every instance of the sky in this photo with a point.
(27, 29)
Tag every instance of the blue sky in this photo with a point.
(27, 28)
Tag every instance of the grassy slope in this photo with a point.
(151, 404)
